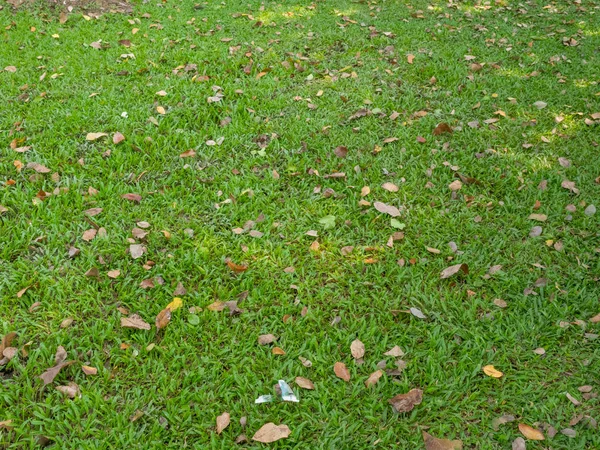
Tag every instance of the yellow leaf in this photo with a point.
(491, 371)
(166, 234)
(175, 304)
(530, 432)
(160, 110)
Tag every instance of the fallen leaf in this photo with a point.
(132, 197)
(452, 270)
(535, 231)
(188, 154)
(357, 348)
(90, 234)
(113, 274)
(456, 185)
(304, 383)
(530, 432)
(570, 185)
(118, 138)
(278, 351)
(341, 371)
(595, 319)
(433, 443)
(38, 167)
(71, 390)
(540, 105)
(341, 151)
(7, 340)
(491, 371)
(163, 318)
(386, 209)
(92, 212)
(374, 378)
(410, 58)
(538, 217)
(175, 304)
(519, 444)
(442, 128)
(417, 313)
(95, 136)
(89, 370)
(223, 422)
(406, 402)
(236, 268)
(395, 352)
(49, 375)
(265, 339)
(366, 190)
(136, 250)
(564, 162)
(391, 187)
(134, 321)
(270, 432)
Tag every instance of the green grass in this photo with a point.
(196, 372)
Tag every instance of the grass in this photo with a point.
(196, 372)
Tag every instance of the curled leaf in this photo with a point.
(433, 443)
(163, 318)
(530, 432)
(452, 270)
(134, 321)
(407, 402)
(491, 371)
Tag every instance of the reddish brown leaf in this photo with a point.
(236, 268)
(118, 138)
(406, 402)
(163, 318)
(442, 128)
(132, 197)
(49, 375)
(341, 371)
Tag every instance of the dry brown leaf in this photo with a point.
(341, 371)
(89, 235)
(270, 432)
(595, 319)
(136, 250)
(357, 348)
(456, 185)
(530, 432)
(237, 268)
(71, 390)
(395, 352)
(163, 318)
(341, 151)
(7, 340)
(265, 339)
(386, 209)
(188, 153)
(132, 197)
(95, 136)
(304, 383)
(92, 212)
(38, 167)
(452, 270)
(365, 191)
(491, 371)
(135, 321)
(223, 422)
(433, 443)
(118, 138)
(89, 370)
(49, 375)
(538, 217)
(113, 274)
(406, 402)
(442, 128)
(373, 378)
(391, 187)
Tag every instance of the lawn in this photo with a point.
(306, 171)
